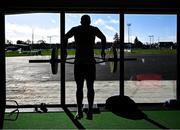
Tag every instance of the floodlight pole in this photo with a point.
(32, 39)
(32, 36)
(150, 39)
(49, 39)
(129, 24)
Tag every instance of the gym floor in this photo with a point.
(104, 120)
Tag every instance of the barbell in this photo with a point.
(112, 59)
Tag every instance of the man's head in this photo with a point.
(85, 20)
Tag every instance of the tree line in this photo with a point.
(42, 44)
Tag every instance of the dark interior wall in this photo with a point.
(96, 5)
(131, 6)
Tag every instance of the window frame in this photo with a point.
(62, 12)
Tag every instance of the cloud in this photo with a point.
(111, 28)
(18, 28)
(114, 21)
(16, 32)
(108, 39)
(53, 21)
(101, 22)
(71, 15)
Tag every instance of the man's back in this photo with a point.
(84, 36)
(85, 39)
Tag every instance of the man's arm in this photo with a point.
(100, 35)
(68, 35)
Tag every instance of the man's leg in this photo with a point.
(91, 76)
(90, 94)
(79, 95)
(78, 74)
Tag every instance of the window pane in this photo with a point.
(31, 36)
(106, 83)
(152, 40)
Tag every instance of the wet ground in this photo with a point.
(34, 83)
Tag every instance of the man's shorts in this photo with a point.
(84, 71)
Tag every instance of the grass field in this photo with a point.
(154, 51)
(97, 52)
(27, 53)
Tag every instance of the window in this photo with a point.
(151, 38)
(31, 36)
(107, 83)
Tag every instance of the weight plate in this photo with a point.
(113, 64)
(54, 63)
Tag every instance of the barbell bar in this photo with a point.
(69, 62)
(111, 58)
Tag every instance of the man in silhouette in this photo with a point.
(84, 67)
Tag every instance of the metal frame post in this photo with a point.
(178, 57)
(121, 53)
(62, 30)
(3, 69)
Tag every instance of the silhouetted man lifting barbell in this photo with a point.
(84, 65)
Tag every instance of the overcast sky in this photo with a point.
(45, 25)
